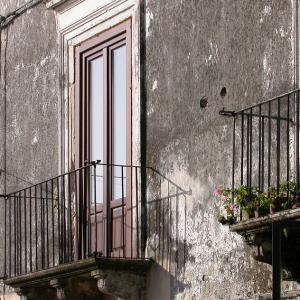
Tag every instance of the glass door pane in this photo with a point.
(96, 123)
(119, 120)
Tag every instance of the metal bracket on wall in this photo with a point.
(8, 19)
(230, 113)
(227, 113)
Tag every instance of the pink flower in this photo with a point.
(233, 206)
(292, 197)
(218, 191)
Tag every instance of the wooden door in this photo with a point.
(103, 89)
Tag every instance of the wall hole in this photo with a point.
(223, 92)
(203, 102)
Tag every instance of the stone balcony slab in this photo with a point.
(266, 222)
(97, 278)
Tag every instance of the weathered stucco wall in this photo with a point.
(29, 113)
(193, 49)
(30, 71)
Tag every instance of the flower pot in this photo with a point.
(257, 212)
(226, 221)
(274, 209)
(296, 205)
(261, 212)
(247, 215)
(276, 204)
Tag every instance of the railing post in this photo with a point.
(123, 218)
(297, 145)
(233, 158)
(4, 271)
(276, 260)
(86, 174)
(144, 225)
(95, 207)
(137, 214)
(108, 211)
(80, 199)
(278, 142)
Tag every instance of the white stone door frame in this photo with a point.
(77, 21)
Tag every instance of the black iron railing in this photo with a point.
(97, 210)
(265, 160)
(265, 151)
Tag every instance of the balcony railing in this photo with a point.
(99, 210)
(265, 171)
(265, 150)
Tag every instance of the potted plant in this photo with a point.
(285, 197)
(255, 203)
(228, 205)
(288, 193)
(247, 199)
(264, 204)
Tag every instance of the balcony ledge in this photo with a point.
(93, 277)
(257, 233)
(138, 266)
(263, 222)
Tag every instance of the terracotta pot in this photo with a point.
(262, 212)
(257, 212)
(276, 204)
(296, 205)
(228, 221)
(247, 216)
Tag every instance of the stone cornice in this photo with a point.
(55, 3)
(60, 4)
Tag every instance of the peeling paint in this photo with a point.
(149, 17)
(267, 10)
(154, 86)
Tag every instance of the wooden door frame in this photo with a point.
(84, 51)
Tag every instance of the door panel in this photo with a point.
(100, 233)
(118, 231)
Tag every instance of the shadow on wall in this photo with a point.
(166, 242)
(160, 284)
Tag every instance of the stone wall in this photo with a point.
(193, 50)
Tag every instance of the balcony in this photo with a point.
(263, 201)
(89, 227)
